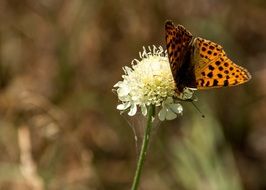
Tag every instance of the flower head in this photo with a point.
(150, 82)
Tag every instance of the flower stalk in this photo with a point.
(144, 147)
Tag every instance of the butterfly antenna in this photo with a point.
(202, 115)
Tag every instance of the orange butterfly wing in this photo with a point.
(213, 68)
(178, 41)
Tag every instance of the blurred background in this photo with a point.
(59, 127)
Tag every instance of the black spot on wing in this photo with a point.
(217, 63)
(215, 82)
(226, 82)
(210, 75)
(220, 75)
(211, 67)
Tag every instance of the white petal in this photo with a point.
(144, 110)
(162, 114)
(124, 98)
(123, 106)
(118, 84)
(127, 70)
(123, 91)
(169, 100)
(133, 110)
(170, 115)
(176, 108)
(120, 107)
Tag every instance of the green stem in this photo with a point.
(144, 147)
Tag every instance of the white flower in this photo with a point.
(169, 109)
(150, 82)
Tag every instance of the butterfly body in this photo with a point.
(199, 63)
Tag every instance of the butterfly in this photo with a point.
(200, 63)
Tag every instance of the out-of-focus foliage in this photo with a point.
(59, 127)
(202, 159)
